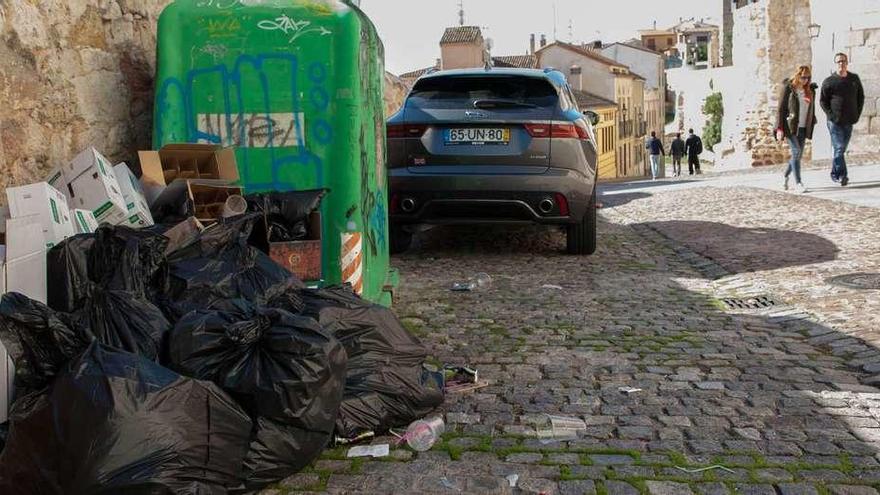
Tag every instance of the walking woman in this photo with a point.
(796, 119)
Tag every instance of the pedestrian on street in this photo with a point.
(842, 99)
(677, 150)
(656, 149)
(694, 146)
(796, 119)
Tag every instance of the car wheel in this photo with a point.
(581, 236)
(400, 240)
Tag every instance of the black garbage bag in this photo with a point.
(113, 258)
(125, 321)
(114, 422)
(41, 341)
(278, 450)
(282, 368)
(286, 213)
(387, 384)
(220, 266)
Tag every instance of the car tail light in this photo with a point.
(561, 131)
(397, 131)
(538, 130)
(562, 203)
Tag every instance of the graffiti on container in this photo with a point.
(234, 105)
(251, 130)
(220, 27)
(217, 4)
(217, 52)
(291, 27)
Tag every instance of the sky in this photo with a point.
(411, 29)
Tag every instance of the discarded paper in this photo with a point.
(380, 450)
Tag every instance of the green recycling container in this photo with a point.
(296, 87)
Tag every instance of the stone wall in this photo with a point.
(852, 28)
(73, 73)
(395, 93)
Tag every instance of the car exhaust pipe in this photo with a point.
(546, 205)
(407, 205)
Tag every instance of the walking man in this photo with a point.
(842, 99)
(677, 150)
(694, 146)
(656, 149)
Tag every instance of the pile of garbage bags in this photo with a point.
(206, 369)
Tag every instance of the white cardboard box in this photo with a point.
(45, 202)
(86, 160)
(56, 179)
(26, 257)
(7, 380)
(84, 221)
(138, 212)
(98, 190)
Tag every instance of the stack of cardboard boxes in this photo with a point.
(74, 199)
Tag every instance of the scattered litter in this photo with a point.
(462, 379)
(708, 468)
(559, 428)
(629, 390)
(448, 484)
(422, 434)
(551, 286)
(512, 479)
(359, 438)
(379, 450)
(477, 282)
(465, 387)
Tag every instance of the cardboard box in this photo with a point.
(56, 178)
(185, 161)
(84, 222)
(199, 198)
(138, 212)
(3, 266)
(26, 257)
(46, 203)
(89, 160)
(303, 257)
(98, 190)
(7, 380)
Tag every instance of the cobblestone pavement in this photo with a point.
(772, 396)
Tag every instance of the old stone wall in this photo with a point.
(395, 93)
(73, 73)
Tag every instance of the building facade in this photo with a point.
(605, 130)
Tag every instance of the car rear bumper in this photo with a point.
(498, 194)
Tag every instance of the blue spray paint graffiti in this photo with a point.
(232, 87)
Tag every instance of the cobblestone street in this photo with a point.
(782, 398)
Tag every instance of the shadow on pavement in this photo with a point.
(773, 399)
(851, 185)
(741, 250)
(619, 199)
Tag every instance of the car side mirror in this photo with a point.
(592, 116)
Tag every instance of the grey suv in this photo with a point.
(475, 146)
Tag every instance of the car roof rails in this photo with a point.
(548, 70)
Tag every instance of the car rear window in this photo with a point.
(458, 91)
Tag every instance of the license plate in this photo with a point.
(477, 135)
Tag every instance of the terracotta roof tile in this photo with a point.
(461, 34)
(521, 61)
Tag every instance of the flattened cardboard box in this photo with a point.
(46, 206)
(184, 161)
(138, 212)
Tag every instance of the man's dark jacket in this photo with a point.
(656, 146)
(677, 147)
(843, 98)
(694, 145)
